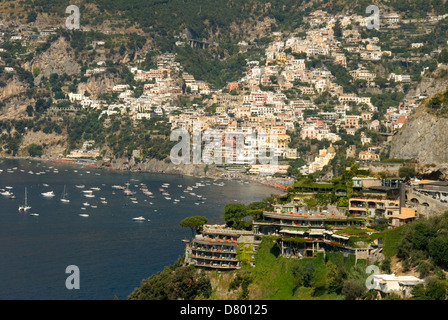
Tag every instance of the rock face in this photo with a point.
(158, 166)
(97, 85)
(59, 58)
(423, 138)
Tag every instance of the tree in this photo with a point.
(352, 289)
(32, 15)
(436, 289)
(234, 214)
(303, 274)
(443, 56)
(406, 172)
(194, 223)
(337, 29)
(29, 110)
(438, 248)
(34, 150)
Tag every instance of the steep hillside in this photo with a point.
(423, 137)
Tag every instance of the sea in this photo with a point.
(98, 236)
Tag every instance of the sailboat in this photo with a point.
(25, 207)
(127, 191)
(63, 199)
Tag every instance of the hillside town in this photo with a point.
(328, 96)
(291, 91)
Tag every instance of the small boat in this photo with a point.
(34, 214)
(95, 188)
(87, 191)
(86, 204)
(104, 202)
(45, 185)
(88, 195)
(25, 206)
(83, 215)
(185, 240)
(139, 218)
(80, 186)
(48, 194)
(94, 207)
(63, 199)
(167, 198)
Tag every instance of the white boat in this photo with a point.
(5, 193)
(45, 185)
(95, 188)
(139, 218)
(8, 187)
(48, 194)
(167, 198)
(63, 199)
(104, 202)
(94, 207)
(34, 214)
(86, 204)
(80, 186)
(88, 195)
(87, 191)
(83, 215)
(25, 206)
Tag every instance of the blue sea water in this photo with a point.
(113, 252)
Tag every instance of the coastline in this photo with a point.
(164, 167)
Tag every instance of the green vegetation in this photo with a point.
(173, 283)
(425, 240)
(438, 104)
(277, 278)
(194, 223)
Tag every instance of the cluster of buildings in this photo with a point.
(276, 94)
(300, 231)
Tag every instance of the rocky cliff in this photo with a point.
(423, 138)
(165, 166)
(59, 58)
